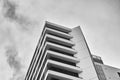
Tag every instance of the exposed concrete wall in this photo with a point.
(84, 55)
(111, 73)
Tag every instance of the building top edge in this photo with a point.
(59, 26)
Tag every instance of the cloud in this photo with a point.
(14, 62)
(9, 10)
(12, 58)
(16, 30)
(12, 55)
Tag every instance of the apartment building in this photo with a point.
(54, 56)
(62, 54)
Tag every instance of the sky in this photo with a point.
(21, 23)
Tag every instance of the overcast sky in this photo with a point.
(21, 22)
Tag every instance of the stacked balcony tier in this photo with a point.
(54, 56)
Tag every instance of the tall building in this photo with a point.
(63, 54)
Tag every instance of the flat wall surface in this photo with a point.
(83, 55)
(110, 73)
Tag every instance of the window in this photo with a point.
(118, 73)
(63, 71)
(63, 61)
(59, 51)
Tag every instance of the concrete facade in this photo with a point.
(54, 56)
(84, 55)
(106, 72)
(63, 54)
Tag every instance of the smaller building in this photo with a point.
(105, 72)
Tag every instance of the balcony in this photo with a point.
(58, 33)
(59, 40)
(62, 56)
(57, 27)
(60, 76)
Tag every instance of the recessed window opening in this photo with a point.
(55, 28)
(54, 79)
(63, 61)
(52, 41)
(51, 67)
(118, 74)
(58, 36)
(61, 52)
